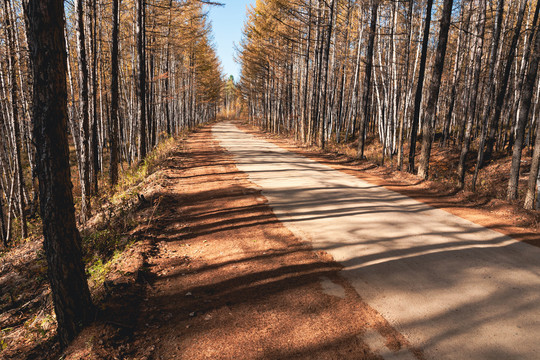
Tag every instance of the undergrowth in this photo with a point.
(26, 308)
(108, 237)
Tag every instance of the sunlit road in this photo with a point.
(453, 288)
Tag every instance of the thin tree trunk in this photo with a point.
(526, 101)
(455, 79)
(499, 101)
(478, 51)
(113, 138)
(141, 53)
(85, 132)
(325, 85)
(367, 83)
(95, 142)
(419, 87)
(438, 68)
(15, 118)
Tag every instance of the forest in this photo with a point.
(137, 73)
(119, 78)
(406, 75)
(124, 149)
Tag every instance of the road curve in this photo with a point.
(453, 288)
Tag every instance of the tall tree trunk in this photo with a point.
(141, 53)
(62, 241)
(15, 116)
(406, 87)
(3, 233)
(419, 87)
(478, 51)
(367, 82)
(85, 131)
(113, 138)
(493, 124)
(305, 115)
(526, 101)
(325, 85)
(438, 67)
(499, 101)
(94, 139)
(455, 78)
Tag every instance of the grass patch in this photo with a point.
(130, 180)
(104, 242)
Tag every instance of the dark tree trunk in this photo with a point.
(85, 131)
(141, 53)
(322, 133)
(526, 102)
(367, 83)
(455, 77)
(419, 87)
(62, 241)
(478, 50)
(3, 233)
(492, 125)
(95, 144)
(113, 138)
(490, 83)
(438, 67)
(499, 101)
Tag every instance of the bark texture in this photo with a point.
(62, 243)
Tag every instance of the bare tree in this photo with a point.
(141, 55)
(419, 87)
(433, 98)
(367, 82)
(12, 66)
(114, 158)
(84, 112)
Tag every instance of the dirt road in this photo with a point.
(223, 278)
(453, 288)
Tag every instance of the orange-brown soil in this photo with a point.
(223, 279)
(216, 275)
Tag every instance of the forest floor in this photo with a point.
(212, 273)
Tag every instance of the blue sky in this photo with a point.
(227, 23)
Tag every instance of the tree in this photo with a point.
(113, 170)
(493, 122)
(419, 87)
(528, 90)
(85, 120)
(367, 81)
(62, 241)
(290, 85)
(477, 51)
(141, 56)
(525, 106)
(15, 115)
(438, 68)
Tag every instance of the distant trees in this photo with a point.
(380, 52)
